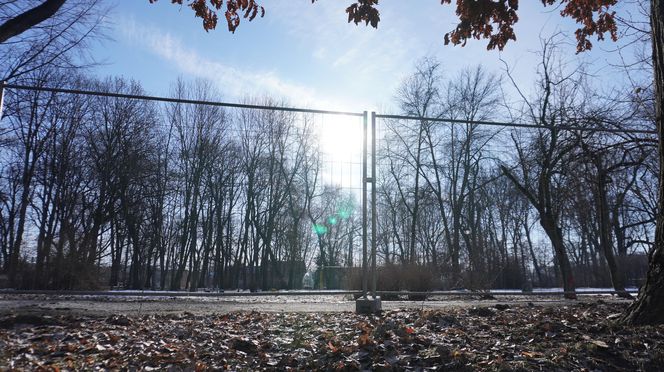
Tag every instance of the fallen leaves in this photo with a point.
(599, 343)
(514, 337)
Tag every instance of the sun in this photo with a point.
(341, 149)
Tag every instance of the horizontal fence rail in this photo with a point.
(178, 100)
(517, 125)
(317, 111)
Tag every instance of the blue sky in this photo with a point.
(310, 56)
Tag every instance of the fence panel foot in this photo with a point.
(368, 305)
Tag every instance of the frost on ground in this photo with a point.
(104, 305)
(577, 336)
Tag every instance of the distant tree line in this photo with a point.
(162, 196)
(486, 206)
(182, 196)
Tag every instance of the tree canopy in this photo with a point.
(478, 19)
(233, 11)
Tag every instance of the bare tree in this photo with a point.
(35, 34)
(33, 118)
(541, 159)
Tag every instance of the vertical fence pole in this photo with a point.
(373, 204)
(364, 209)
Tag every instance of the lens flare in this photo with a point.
(320, 229)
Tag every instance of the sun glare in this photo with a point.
(341, 147)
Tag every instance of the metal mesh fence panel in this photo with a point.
(482, 205)
(107, 187)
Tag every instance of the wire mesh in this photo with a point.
(186, 192)
(469, 201)
(180, 192)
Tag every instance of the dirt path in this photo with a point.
(111, 305)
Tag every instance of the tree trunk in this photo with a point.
(31, 17)
(556, 237)
(26, 180)
(538, 271)
(649, 307)
(605, 235)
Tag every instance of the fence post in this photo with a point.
(373, 204)
(364, 208)
(367, 305)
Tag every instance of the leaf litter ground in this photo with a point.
(581, 336)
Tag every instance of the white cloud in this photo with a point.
(234, 82)
(349, 67)
(372, 61)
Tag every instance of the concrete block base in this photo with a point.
(367, 305)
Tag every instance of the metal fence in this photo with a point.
(484, 204)
(327, 188)
(199, 193)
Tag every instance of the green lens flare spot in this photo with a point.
(332, 220)
(344, 213)
(320, 229)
